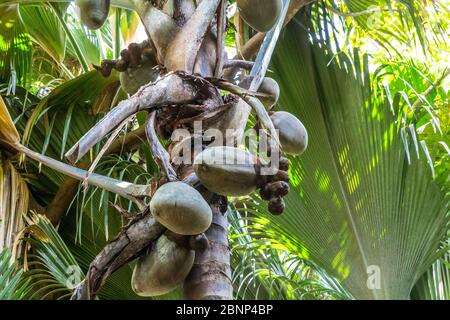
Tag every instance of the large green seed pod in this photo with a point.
(162, 269)
(92, 13)
(133, 79)
(227, 171)
(292, 133)
(269, 86)
(261, 15)
(181, 209)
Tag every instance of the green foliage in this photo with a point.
(262, 270)
(358, 198)
(15, 49)
(435, 283)
(37, 15)
(54, 272)
(363, 194)
(58, 265)
(12, 286)
(90, 223)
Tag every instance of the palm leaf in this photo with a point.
(15, 49)
(44, 29)
(51, 261)
(387, 20)
(59, 265)
(14, 198)
(14, 194)
(80, 92)
(8, 132)
(359, 200)
(90, 222)
(265, 271)
(435, 283)
(12, 286)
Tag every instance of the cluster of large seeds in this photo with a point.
(261, 15)
(186, 215)
(276, 188)
(230, 171)
(223, 170)
(293, 139)
(291, 131)
(234, 172)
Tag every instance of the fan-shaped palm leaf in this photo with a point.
(264, 271)
(44, 29)
(360, 203)
(12, 286)
(57, 265)
(435, 283)
(391, 21)
(15, 49)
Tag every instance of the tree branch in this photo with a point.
(134, 238)
(172, 89)
(127, 190)
(183, 49)
(247, 65)
(221, 21)
(161, 156)
(69, 188)
(160, 27)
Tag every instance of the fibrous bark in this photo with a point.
(210, 277)
(182, 51)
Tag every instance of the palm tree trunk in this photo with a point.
(210, 277)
